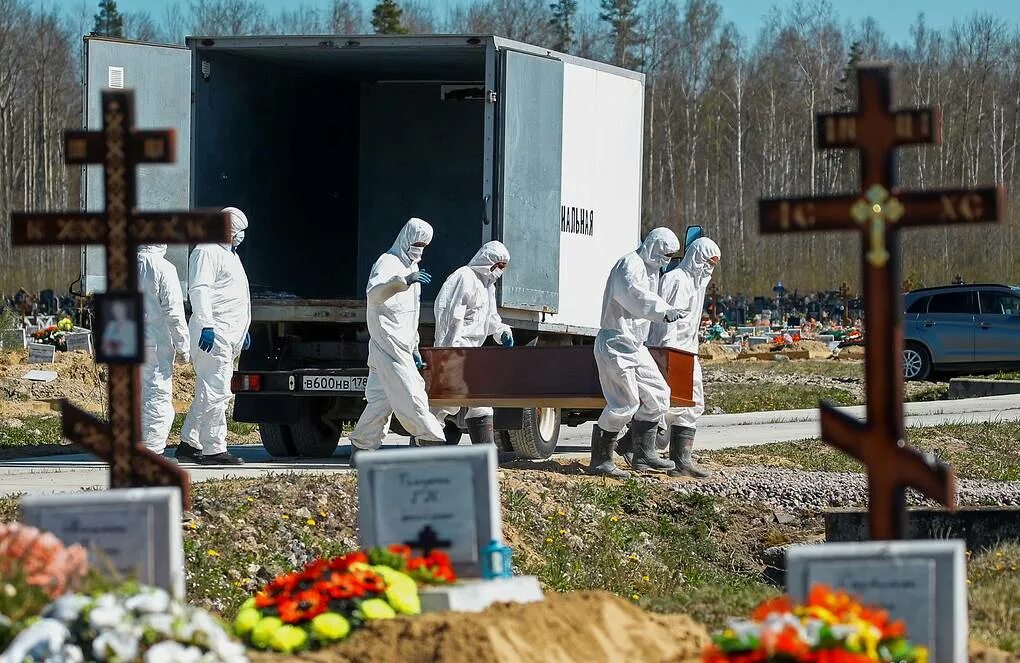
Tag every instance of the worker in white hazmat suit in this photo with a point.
(220, 316)
(166, 335)
(684, 287)
(635, 391)
(395, 385)
(466, 314)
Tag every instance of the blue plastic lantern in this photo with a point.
(496, 561)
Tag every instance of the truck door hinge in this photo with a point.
(492, 97)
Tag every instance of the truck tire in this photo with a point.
(537, 439)
(276, 440)
(313, 437)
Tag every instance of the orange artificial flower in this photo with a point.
(780, 604)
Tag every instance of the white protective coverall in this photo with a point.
(394, 384)
(466, 311)
(218, 288)
(684, 288)
(166, 332)
(631, 382)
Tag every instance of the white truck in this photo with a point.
(329, 144)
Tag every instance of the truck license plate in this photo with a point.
(333, 383)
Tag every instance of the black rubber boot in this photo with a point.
(646, 458)
(681, 442)
(625, 447)
(662, 439)
(480, 430)
(602, 443)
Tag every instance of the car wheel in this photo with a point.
(916, 362)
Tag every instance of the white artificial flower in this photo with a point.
(173, 652)
(161, 624)
(67, 608)
(119, 645)
(107, 617)
(38, 642)
(149, 600)
(69, 654)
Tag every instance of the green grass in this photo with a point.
(1001, 375)
(825, 368)
(46, 429)
(994, 585)
(976, 451)
(37, 429)
(758, 397)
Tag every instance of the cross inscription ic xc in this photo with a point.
(879, 212)
(119, 147)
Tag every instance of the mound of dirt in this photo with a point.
(815, 349)
(592, 627)
(715, 351)
(79, 379)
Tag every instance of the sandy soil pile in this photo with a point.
(715, 352)
(815, 349)
(79, 379)
(592, 627)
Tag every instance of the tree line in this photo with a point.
(728, 116)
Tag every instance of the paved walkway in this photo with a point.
(71, 472)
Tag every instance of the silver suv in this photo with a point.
(972, 327)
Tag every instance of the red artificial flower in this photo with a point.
(303, 607)
(343, 586)
(787, 642)
(778, 605)
(369, 581)
(893, 630)
(314, 569)
(344, 562)
(263, 600)
(400, 549)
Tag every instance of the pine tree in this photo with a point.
(846, 89)
(562, 24)
(109, 22)
(386, 17)
(624, 23)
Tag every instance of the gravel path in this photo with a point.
(801, 492)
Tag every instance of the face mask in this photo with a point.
(236, 240)
(496, 273)
(415, 253)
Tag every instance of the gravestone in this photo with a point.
(41, 353)
(134, 532)
(79, 341)
(13, 339)
(44, 321)
(922, 583)
(444, 498)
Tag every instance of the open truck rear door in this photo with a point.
(531, 112)
(161, 79)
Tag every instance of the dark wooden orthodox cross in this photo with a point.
(844, 297)
(427, 541)
(119, 147)
(878, 212)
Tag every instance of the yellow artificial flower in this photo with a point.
(376, 609)
(246, 621)
(287, 638)
(264, 630)
(330, 627)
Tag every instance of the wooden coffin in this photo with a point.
(562, 377)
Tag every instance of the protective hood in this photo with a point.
(696, 259)
(238, 224)
(487, 256)
(158, 250)
(658, 247)
(415, 230)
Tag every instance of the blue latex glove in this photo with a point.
(247, 341)
(418, 361)
(418, 277)
(206, 340)
(507, 339)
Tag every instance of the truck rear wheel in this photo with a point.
(312, 436)
(538, 437)
(276, 440)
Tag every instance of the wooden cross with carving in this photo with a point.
(121, 228)
(427, 541)
(878, 212)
